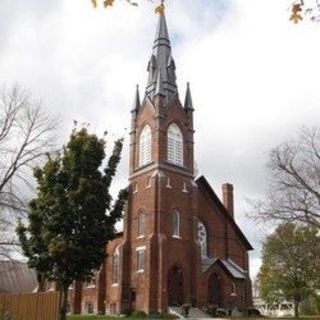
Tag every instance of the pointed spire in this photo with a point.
(136, 102)
(162, 35)
(161, 62)
(188, 105)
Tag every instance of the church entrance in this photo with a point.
(175, 287)
(132, 299)
(215, 290)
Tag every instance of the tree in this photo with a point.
(300, 10)
(68, 225)
(294, 191)
(305, 10)
(290, 264)
(109, 3)
(27, 133)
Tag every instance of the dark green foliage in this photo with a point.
(68, 225)
(128, 312)
(138, 314)
(311, 306)
(253, 312)
(4, 315)
(290, 264)
(157, 315)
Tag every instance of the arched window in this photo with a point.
(176, 224)
(145, 146)
(202, 236)
(175, 145)
(141, 224)
(116, 265)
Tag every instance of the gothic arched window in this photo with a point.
(145, 146)
(202, 236)
(175, 145)
(116, 265)
(176, 224)
(141, 224)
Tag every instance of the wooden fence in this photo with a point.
(31, 306)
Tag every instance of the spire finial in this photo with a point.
(161, 61)
(160, 8)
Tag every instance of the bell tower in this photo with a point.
(159, 224)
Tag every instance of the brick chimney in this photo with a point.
(227, 196)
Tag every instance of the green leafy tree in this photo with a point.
(290, 264)
(68, 222)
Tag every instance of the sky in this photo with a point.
(253, 77)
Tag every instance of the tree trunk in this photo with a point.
(63, 302)
(41, 283)
(296, 309)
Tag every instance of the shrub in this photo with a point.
(158, 315)
(220, 312)
(4, 315)
(310, 306)
(138, 314)
(209, 309)
(128, 312)
(253, 312)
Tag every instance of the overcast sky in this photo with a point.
(253, 74)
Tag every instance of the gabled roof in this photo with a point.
(16, 277)
(202, 181)
(227, 264)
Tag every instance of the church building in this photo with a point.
(180, 243)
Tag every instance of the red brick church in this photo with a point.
(180, 243)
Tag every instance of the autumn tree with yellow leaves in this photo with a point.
(300, 10)
(304, 10)
(109, 3)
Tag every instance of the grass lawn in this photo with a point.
(92, 317)
(114, 318)
(99, 318)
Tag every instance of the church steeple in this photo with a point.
(161, 66)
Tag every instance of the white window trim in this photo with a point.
(116, 252)
(234, 289)
(185, 190)
(205, 255)
(148, 183)
(145, 146)
(175, 152)
(135, 187)
(144, 224)
(141, 248)
(178, 234)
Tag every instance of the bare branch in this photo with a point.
(294, 191)
(27, 134)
